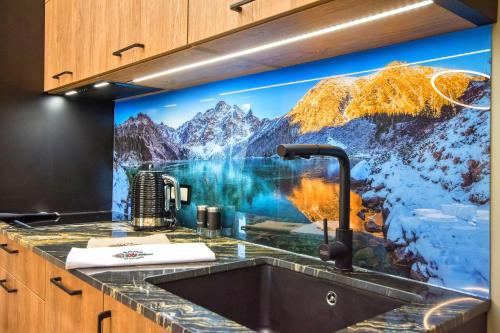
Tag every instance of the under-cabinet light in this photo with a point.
(373, 70)
(290, 40)
(71, 92)
(101, 84)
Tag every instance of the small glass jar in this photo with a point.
(214, 222)
(201, 220)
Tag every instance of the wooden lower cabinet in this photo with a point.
(55, 301)
(6, 299)
(72, 305)
(21, 311)
(125, 320)
(26, 266)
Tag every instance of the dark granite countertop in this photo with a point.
(429, 309)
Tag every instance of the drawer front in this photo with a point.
(124, 319)
(23, 264)
(21, 310)
(72, 305)
(3, 254)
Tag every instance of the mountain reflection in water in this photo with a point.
(317, 199)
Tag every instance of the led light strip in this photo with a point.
(356, 73)
(101, 84)
(290, 40)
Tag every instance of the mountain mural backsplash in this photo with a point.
(417, 130)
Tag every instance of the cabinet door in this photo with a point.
(3, 254)
(72, 305)
(60, 43)
(124, 320)
(145, 28)
(23, 264)
(264, 9)
(22, 310)
(6, 300)
(208, 18)
(94, 56)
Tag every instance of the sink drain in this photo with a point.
(331, 298)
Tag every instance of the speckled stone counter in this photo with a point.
(429, 309)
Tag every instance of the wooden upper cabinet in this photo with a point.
(208, 18)
(93, 56)
(264, 9)
(144, 28)
(60, 39)
(83, 36)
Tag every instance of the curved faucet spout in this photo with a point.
(294, 151)
(341, 249)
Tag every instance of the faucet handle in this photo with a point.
(325, 231)
(325, 249)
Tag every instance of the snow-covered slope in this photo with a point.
(436, 194)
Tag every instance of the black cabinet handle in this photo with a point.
(100, 317)
(58, 75)
(7, 289)
(118, 53)
(57, 281)
(6, 249)
(237, 5)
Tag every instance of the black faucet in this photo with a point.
(341, 249)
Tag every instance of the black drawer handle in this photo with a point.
(100, 317)
(57, 76)
(118, 53)
(237, 5)
(57, 281)
(7, 289)
(6, 249)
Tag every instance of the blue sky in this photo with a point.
(174, 108)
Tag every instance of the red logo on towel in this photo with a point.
(130, 255)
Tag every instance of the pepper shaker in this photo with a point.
(201, 219)
(213, 222)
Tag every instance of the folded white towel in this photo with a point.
(138, 255)
(128, 241)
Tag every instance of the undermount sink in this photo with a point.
(267, 298)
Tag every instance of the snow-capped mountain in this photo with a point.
(422, 161)
(140, 140)
(215, 132)
(212, 134)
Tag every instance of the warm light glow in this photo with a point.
(101, 84)
(432, 310)
(71, 92)
(433, 84)
(287, 41)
